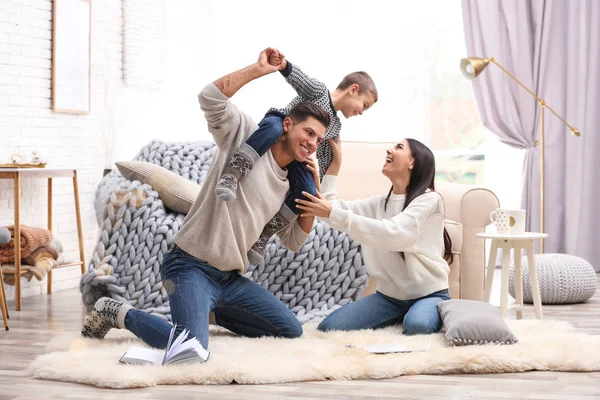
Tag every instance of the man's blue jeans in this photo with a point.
(196, 288)
(418, 316)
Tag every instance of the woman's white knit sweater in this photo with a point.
(384, 232)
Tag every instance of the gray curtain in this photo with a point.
(553, 47)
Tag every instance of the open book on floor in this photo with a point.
(178, 351)
(386, 348)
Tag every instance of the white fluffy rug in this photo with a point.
(543, 345)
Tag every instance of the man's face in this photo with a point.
(303, 137)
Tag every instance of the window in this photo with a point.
(411, 49)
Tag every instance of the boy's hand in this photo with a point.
(336, 159)
(277, 59)
(283, 64)
(263, 60)
(274, 58)
(312, 166)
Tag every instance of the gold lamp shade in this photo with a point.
(471, 67)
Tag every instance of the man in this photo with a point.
(202, 272)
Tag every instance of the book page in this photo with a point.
(386, 348)
(191, 350)
(176, 346)
(165, 358)
(140, 355)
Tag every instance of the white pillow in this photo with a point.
(176, 192)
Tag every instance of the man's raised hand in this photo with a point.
(264, 60)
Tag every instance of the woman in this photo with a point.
(404, 242)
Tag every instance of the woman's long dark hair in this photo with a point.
(421, 179)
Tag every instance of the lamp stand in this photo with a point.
(481, 64)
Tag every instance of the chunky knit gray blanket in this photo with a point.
(136, 230)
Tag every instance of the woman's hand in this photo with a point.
(314, 206)
(336, 159)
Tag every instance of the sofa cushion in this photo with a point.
(359, 180)
(454, 277)
(455, 230)
(176, 192)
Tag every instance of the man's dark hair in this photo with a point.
(301, 111)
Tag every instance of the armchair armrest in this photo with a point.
(471, 206)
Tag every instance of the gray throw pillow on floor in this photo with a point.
(468, 322)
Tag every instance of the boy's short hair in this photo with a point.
(363, 80)
(301, 111)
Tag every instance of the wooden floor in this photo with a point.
(46, 316)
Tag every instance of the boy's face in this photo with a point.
(355, 104)
(303, 137)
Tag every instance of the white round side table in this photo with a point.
(506, 242)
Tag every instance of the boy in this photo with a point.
(355, 94)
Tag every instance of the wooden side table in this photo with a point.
(519, 242)
(3, 305)
(16, 174)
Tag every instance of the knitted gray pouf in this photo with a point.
(564, 279)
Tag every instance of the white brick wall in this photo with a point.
(66, 140)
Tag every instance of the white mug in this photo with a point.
(508, 221)
(516, 222)
(499, 218)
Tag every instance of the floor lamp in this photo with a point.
(471, 67)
